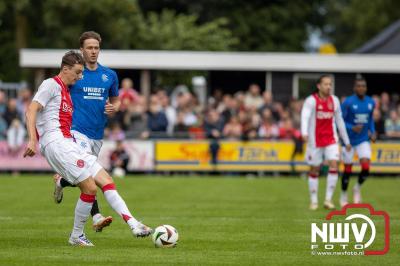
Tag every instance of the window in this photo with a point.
(304, 84)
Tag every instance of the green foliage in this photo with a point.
(169, 31)
(58, 24)
(351, 23)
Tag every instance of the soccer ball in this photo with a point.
(118, 172)
(165, 236)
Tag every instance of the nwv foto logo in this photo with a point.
(355, 232)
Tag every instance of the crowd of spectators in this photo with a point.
(244, 115)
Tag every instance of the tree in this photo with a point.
(169, 31)
(58, 24)
(259, 25)
(351, 23)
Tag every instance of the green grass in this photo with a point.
(221, 221)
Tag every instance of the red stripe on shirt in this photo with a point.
(66, 109)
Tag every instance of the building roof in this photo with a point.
(238, 61)
(386, 42)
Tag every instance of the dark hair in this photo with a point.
(71, 58)
(359, 79)
(89, 35)
(319, 80)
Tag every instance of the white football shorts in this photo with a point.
(71, 162)
(91, 146)
(363, 150)
(315, 156)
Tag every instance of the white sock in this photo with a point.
(119, 205)
(357, 186)
(313, 187)
(331, 184)
(82, 212)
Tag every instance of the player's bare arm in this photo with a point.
(357, 128)
(31, 114)
(112, 106)
(373, 137)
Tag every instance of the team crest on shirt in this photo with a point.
(319, 106)
(80, 163)
(355, 107)
(104, 77)
(370, 106)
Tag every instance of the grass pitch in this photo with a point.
(221, 221)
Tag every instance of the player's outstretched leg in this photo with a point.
(58, 189)
(313, 188)
(82, 212)
(345, 184)
(361, 179)
(99, 221)
(330, 188)
(104, 180)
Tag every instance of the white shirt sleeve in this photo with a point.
(306, 111)
(46, 91)
(340, 122)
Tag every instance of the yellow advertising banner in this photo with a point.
(256, 156)
(232, 156)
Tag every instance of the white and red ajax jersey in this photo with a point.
(320, 119)
(55, 119)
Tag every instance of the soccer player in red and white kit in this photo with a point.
(49, 120)
(320, 118)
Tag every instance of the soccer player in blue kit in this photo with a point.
(357, 112)
(94, 97)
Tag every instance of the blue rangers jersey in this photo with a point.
(89, 96)
(358, 111)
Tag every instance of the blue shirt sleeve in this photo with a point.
(371, 125)
(115, 86)
(345, 114)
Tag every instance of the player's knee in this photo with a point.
(333, 165)
(109, 186)
(365, 166)
(348, 168)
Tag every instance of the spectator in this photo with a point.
(385, 105)
(157, 120)
(392, 125)
(135, 120)
(253, 98)
(379, 123)
(232, 109)
(11, 112)
(15, 136)
(3, 128)
(233, 129)
(267, 101)
(213, 128)
(23, 100)
(189, 117)
(116, 133)
(3, 103)
(119, 160)
(181, 130)
(169, 111)
(127, 94)
(239, 96)
(268, 128)
(287, 131)
(216, 98)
